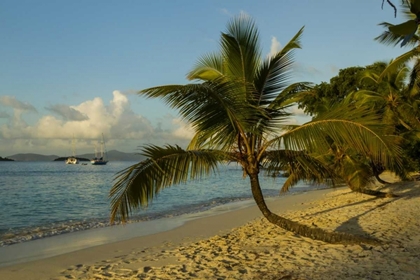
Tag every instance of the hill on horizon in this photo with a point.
(112, 155)
(32, 157)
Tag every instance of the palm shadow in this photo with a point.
(410, 189)
(403, 190)
(392, 188)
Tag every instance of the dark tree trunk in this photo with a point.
(376, 171)
(303, 230)
(380, 180)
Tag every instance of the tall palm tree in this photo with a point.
(238, 108)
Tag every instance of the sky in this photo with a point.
(72, 69)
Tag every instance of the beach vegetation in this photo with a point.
(347, 81)
(393, 36)
(238, 103)
(392, 97)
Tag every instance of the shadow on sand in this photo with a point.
(403, 190)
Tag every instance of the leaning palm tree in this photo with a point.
(238, 107)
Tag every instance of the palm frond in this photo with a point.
(408, 10)
(414, 81)
(356, 173)
(217, 109)
(209, 67)
(138, 184)
(398, 62)
(277, 111)
(274, 73)
(358, 127)
(398, 79)
(241, 49)
(363, 96)
(299, 166)
(290, 95)
(389, 38)
(369, 75)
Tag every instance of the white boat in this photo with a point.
(100, 154)
(73, 159)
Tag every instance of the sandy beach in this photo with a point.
(240, 244)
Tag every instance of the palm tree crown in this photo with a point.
(238, 105)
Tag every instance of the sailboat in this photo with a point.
(100, 155)
(73, 159)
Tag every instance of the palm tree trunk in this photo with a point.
(376, 173)
(378, 194)
(303, 230)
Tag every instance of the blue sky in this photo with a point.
(71, 68)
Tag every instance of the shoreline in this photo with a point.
(220, 219)
(33, 233)
(73, 207)
(240, 244)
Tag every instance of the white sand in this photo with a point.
(209, 248)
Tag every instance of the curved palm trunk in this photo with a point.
(376, 173)
(380, 180)
(303, 230)
(378, 194)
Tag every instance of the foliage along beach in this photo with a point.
(363, 134)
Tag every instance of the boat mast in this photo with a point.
(73, 147)
(103, 147)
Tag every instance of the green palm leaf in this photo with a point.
(138, 184)
(299, 166)
(241, 50)
(356, 173)
(217, 109)
(209, 67)
(398, 62)
(389, 38)
(414, 84)
(274, 74)
(368, 96)
(358, 128)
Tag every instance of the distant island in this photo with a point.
(6, 159)
(112, 155)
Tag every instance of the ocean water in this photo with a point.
(41, 199)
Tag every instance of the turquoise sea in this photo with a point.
(42, 199)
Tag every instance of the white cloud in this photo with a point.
(123, 129)
(297, 111)
(298, 117)
(67, 112)
(184, 131)
(275, 47)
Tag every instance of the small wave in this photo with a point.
(19, 235)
